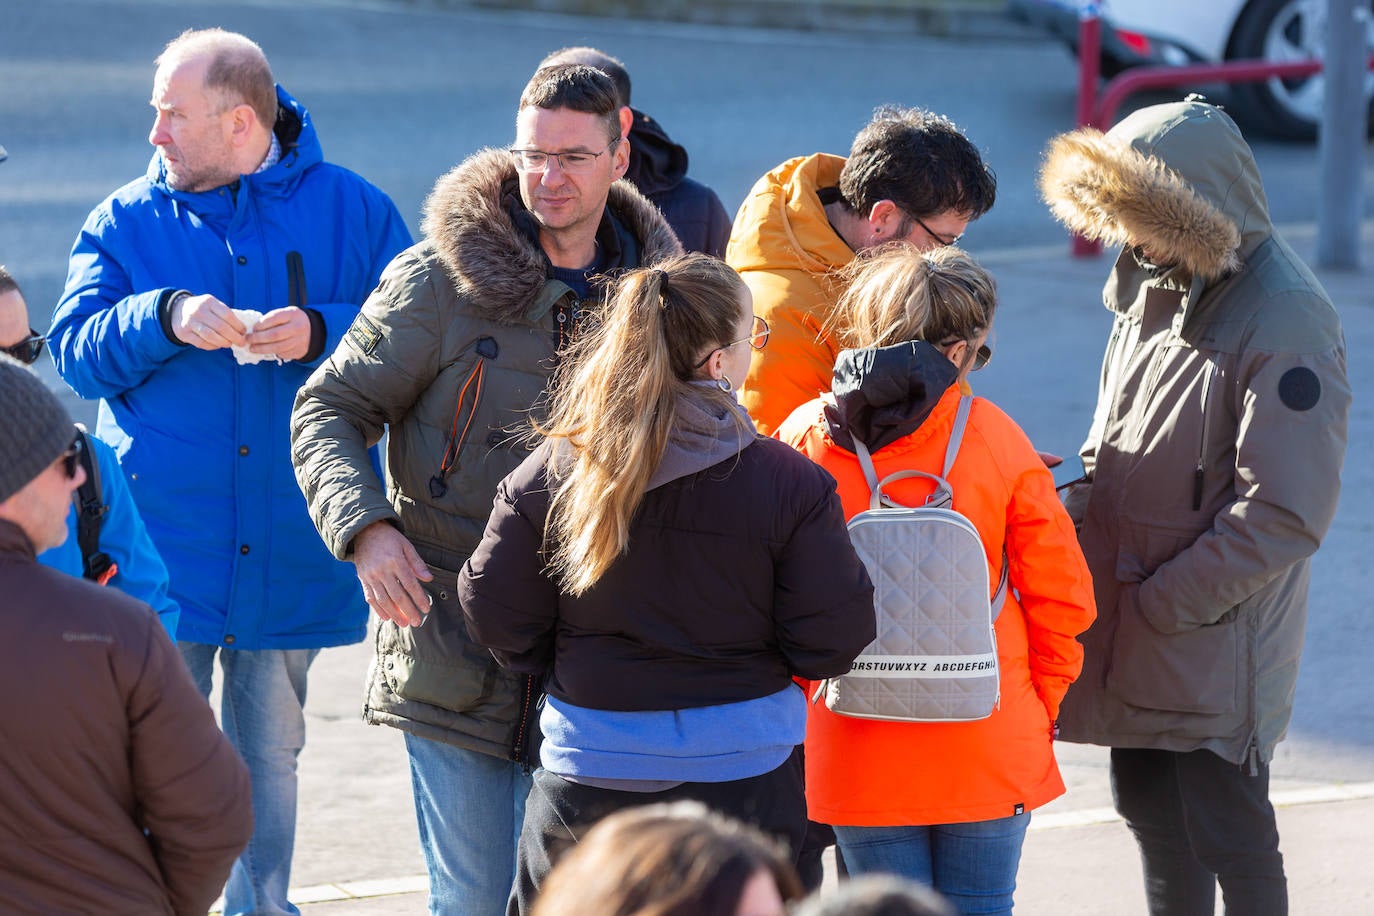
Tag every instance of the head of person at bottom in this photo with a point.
(39, 469)
(674, 339)
(878, 895)
(913, 324)
(671, 860)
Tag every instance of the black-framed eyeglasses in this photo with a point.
(981, 357)
(71, 458)
(758, 339)
(574, 163)
(27, 350)
(935, 235)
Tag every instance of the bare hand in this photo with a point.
(391, 572)
(283, 333)
(1051, 460)
(206, 323)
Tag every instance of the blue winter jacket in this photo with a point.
(204, 441)
(140, 572)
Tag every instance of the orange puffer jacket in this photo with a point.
(868, 773)
(786, 251)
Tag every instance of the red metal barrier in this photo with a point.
(1093, 111)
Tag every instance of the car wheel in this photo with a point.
(1283, 30)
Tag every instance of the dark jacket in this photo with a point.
(105, 737)
(451, 352)
(738, 577)
(658, 168)
(1216, 448)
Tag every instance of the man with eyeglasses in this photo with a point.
(453, 353)
(120, 792)
(911, 177)
(658, 166)
(133, 564)
(199, 298)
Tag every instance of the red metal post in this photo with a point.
(1089, 69)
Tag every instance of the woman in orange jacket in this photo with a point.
(946, 803)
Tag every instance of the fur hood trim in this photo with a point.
(492, 263)
(1108, 191)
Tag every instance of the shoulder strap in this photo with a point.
(90, 514)
(943, 495)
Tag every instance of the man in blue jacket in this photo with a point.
(137, 568)
(199, 298)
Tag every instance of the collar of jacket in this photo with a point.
(882, 394)
(498, 266)
(657, 164)
(300, 149)
(14, 542)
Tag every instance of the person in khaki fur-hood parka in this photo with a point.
(1213, 464)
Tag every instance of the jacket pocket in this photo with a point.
(436, 663)
(1192, 672)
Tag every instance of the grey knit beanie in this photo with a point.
(34, 426)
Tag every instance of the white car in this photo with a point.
(1177, 32)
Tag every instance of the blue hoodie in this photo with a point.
(204, 441)
(139, 570)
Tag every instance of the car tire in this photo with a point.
(1281, 30)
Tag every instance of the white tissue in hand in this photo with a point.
(244, 356)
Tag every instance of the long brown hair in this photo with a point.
(614, 402)
(664, 860)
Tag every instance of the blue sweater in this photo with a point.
(141, 573)
(705, 744)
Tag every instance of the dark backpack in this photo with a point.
(96, 565)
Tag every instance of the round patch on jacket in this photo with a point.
(1300, 389)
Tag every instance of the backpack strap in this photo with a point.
(96, 565)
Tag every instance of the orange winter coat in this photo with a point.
(784, 248)
(868, 773)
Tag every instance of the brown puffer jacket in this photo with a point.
(105, 737)
(1215, 452)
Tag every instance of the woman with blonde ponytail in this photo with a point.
(945, 803)
(668, 570)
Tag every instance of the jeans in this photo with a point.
(973, 865)
(1200, 820)
(469, 807)
(262, 713)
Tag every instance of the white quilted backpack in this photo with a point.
(935, 656)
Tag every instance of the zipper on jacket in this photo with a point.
(520, 750)
(1199, 473)
(486, 350)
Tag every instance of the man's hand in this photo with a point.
(391, 572)
(283, 333)
(206, 323)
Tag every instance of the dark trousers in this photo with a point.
(558, 813)
(1199, 821)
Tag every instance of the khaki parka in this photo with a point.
(1215, 452)
(450, 354)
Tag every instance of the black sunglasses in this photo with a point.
(71, 458)
(935, 235)
(980, 359)
(27, 350)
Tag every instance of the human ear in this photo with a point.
(627, 120)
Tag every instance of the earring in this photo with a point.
(724, 384)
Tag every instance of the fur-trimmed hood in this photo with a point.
(467, 218)
(1177, 179)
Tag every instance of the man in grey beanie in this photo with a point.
(121, 794)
